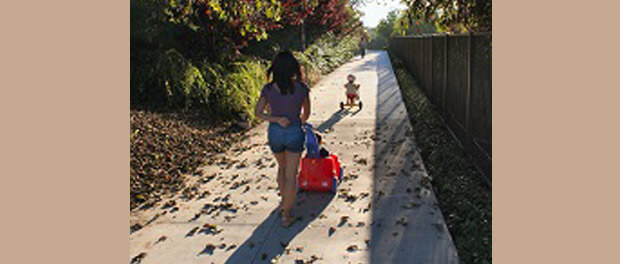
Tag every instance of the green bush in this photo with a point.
(236, 90)
(329, 51)
(170, 80)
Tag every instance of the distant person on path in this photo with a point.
(286, 96)
(363, 46)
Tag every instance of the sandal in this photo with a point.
(287, 221)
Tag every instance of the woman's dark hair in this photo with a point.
(283, 68)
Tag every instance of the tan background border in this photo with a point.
(555, 132)
(64, 144)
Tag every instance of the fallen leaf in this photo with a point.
(410, 205)
(192, 232)
(352, 248)
(135, 228)
(137, 259)
(161, 239)
(209, 249)
(402, 221)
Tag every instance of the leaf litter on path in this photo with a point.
(161, 239)
(209, 249)
(312, 259)
(192, 231)
(210, 229)
(410, 205)
(138, 258)
(352, 248)
(402, 221)
(167, 148)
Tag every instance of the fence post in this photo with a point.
(422, 68)
(430, 80)
(468, 92)
(445, 72)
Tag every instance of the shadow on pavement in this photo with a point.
(335, 118)
(270, 239)
(403, 226)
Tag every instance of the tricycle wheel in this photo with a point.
(340, 175)
(334, 185)
(341, 106)
(360, 105)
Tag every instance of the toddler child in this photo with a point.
(352, 89)
(322, 150)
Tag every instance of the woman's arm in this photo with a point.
(305, 106)
(259, 112)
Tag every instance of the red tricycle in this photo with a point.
(318, 173)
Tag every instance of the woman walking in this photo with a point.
(286, 96)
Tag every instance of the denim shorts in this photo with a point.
(290, 138)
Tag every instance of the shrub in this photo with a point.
(236, 90)
(329, 51)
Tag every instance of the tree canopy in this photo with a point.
(452, 15)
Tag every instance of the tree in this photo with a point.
(227, 23)
(404, 27)
(452, 15)
(384, 31)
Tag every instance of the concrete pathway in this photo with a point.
(384, 212)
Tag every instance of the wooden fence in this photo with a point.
(455, 73)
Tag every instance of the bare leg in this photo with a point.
(288, 194)
(281, 159)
